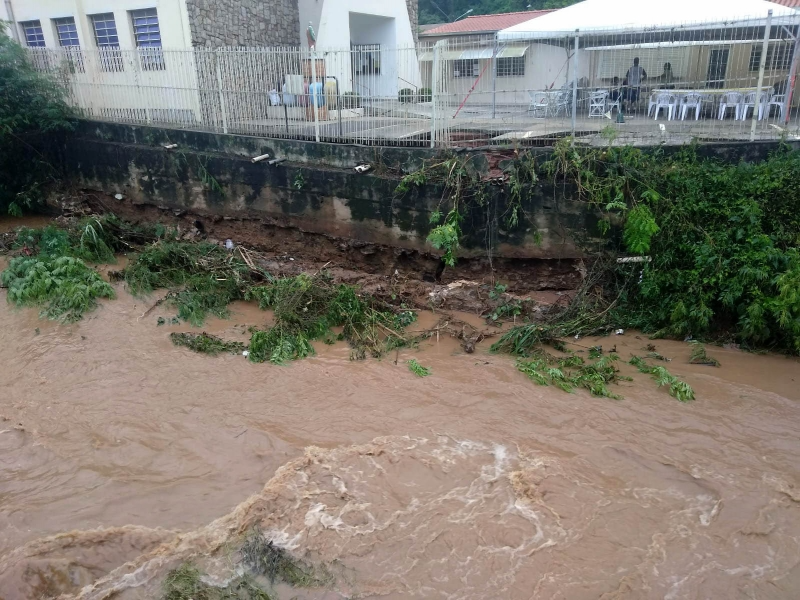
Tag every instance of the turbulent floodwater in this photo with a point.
(121, 456)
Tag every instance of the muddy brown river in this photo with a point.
(122, 455)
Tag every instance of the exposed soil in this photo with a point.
(522, 276)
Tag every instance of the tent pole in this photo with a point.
(791, 80)
(762, 66)
(575, 84)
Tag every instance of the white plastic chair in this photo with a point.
(729, 100)
(749, 102)
(612, 104)
(540, 104)
(691, 100)
(667, 101)
(652, 102)
(563, 102)
(597, 103)
(776, 100)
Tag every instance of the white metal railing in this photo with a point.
(723, 81)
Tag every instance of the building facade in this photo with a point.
(211, 62)
(177, 24)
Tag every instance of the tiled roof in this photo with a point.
(789, 3)
(487, 23)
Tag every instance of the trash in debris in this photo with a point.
(119, 196)
(229, 244)
(246, 353)
(363, 168)
(619, 332)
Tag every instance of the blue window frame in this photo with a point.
(67, 32)
(147, 35)
(107, 40)
(34, 36)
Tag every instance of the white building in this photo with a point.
(155, 60)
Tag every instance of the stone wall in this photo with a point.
(244, 22)
(413, 14)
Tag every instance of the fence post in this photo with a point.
(437, 70)
(761, 67)
(791, 79)
(575, 83)
(222, 109)
(315, 97)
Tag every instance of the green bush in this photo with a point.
(64, 286)
(351, 100)
(406, 95)
(722, 240)
(32, 105)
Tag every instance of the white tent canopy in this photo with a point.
(606, 16)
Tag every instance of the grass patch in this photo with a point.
(93, 239)
(417, 369)
(50, 269)
(206, 344)
(185, 583)
(264, 558)
(64, 286)
(307, 308)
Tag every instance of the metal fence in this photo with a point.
(700, 81)
(724, 81)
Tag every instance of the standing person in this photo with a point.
(635, 77)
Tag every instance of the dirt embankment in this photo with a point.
(521, 276)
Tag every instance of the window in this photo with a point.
(34, 37)
(147, 35)
(67, 32)
(107, 40)
(511, 67)
(366, 59)
(779, 57)
(67, 35)
(465, 68)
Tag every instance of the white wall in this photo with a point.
(129, 92)
(332, 22)
(546, 66)
(341, 23)
(172, 17)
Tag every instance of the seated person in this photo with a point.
(616, 90)
(667, 79)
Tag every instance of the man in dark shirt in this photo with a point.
(635, 78)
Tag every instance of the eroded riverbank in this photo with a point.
(470, 483)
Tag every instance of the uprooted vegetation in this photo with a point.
(262, 565)
(206, 344)
(202, 278)
(187, 583)
(276, 564)
(310, 307)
